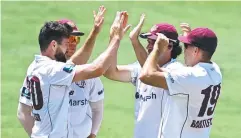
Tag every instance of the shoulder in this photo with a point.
(174, 64)
(190, 75)
(97, 82)
(135, 65)
(217, 68)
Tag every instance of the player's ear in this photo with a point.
(53, 45)
(196, 50)
(170, 46)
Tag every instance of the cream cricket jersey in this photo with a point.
(81, 94)
(193, 95)
(46, 89)
(150, 103)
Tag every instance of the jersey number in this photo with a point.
(213, 92)
(33, 85)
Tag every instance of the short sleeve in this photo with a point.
(61, 74)
(25, 97)
(96, 90)
(180, 81)
(135, 72)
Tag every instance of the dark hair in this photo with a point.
(50, 31)
(206, 55)
(176, 50)
(69, 28)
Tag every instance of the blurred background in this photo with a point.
(21, 22)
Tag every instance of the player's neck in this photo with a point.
(164, 61)
(205, 61)
(47, 54)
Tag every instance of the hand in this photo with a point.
(161, 43)
(134, 34)
(119, 26)
(186, 29)
(99, 18)
(92, 136)
(126, 17)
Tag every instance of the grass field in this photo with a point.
(21, 22)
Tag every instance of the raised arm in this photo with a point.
(141, 53)
(103, 62)
(83, 54)
(151, 74)
(118, 73)
(99, 66)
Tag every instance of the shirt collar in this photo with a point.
(172, 60)
(41, 57)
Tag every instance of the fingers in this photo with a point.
(94, 13)
(127, 28)
(101, 21)
(119, 26)
(162, 38)
(117, 17)
(125, 18)
(121, 22)
(102, 10)
(141, 22)
(142, 18)
(185, 26)
(186, 29)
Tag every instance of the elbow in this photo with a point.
(107, 74)
(110, 74)
(100, 71)
(145, 77)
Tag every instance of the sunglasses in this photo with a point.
(74, 39)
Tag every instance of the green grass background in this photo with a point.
(21, 22)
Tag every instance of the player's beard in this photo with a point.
(60, 56)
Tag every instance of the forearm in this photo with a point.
(82, 55)
(151, 62)
(140, 51)
(151, 73)
(105, 59)
(97, 115)
(110, 73)
(118, 73)
(25, 118)
(27, 123)
(112, 70)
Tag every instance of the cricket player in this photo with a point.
(86, 97)
(150, 101)
(193, 90)
(48, 80)
(83, 94)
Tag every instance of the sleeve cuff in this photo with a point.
(99, 97)
(25, 101)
